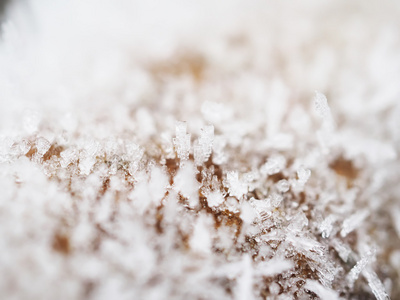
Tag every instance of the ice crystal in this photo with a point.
(273, 165)
(327, 226)
(182, 141)
(376, 285)
(283, 186)
(361, 264)
(202, 150)
(237, 188)
(352, 222)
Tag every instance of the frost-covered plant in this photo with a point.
(176, 150)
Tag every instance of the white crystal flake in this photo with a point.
(359, 267)
(182, 141)
(376, 285)
(353, 222)
(237, 188)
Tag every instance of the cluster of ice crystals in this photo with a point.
(360, 265)
(376, 285)
(236, 186)
(282, 195)
(275, 199)
(283, 186)
(42, 145)
(273, 165)
(327, 226)
(353, 222)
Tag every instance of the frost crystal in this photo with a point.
(202, 150)
(304, 175)
(343, 250)
(42, 145)
(275, 199)
(358, 268)
(283, 186)
(236, 187)
(327, 226)
(353, 222)
(273, 165)
(182, 141)
(376, 285)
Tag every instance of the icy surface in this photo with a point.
(176, 150)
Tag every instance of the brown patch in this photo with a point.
(345, 168)
(31, 152)
(172, 165)
(104, 187)
(61, 243)
(88, 288)
(228, 219)
(185, 239)
(302, 198)
(190, 64)
(303, 268)
(159, 219)
(53, 150)
(277, 177)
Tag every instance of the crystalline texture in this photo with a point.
(376, 285)
(283, 186)
(182, 141)
(236, 187)
(275, 199)
(202, 150)
(353, 222)
(327, 226)
(42, 146)
(358, 268)
(304, 175)
(343, 250)
(273, 165)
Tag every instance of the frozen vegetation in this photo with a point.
(200, 150)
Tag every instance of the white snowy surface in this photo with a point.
(200, 150)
